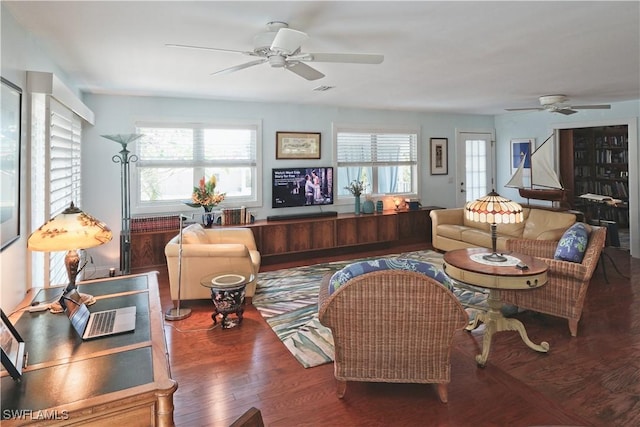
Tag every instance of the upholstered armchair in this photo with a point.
(567, 282)
(207, 251)
(391, 326)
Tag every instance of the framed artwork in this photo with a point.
(12, 347)
(297, 145)
(439, 156)
(521, 148)
(10, 120)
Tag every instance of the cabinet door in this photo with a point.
(323, 234)
(346, 232)
(387, 228)
(274, 241)
(299, 237)
(414, 225)
(367, 229)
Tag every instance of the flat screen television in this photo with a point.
(293, 187)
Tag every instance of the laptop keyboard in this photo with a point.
(102, 323)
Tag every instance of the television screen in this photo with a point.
(302, 187)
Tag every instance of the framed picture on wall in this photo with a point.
(10, 148)
(297, 145)
(439, 156)
(521, 149)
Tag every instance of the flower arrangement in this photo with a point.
(356, 188)
(205, 195)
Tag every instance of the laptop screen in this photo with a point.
(75, 310)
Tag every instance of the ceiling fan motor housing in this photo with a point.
(552, 99)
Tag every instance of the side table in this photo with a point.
(227, 294)
(467, 266)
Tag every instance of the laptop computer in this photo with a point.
(99, 324)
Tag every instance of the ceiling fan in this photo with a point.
(558, 104)
(280, 46)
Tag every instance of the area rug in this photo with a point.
(288, 300)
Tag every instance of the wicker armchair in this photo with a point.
(391, 326)
(567, 284)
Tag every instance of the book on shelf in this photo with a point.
(235, 216)
(598, 198)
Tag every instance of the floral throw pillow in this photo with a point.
(340, 277)
(573, 243)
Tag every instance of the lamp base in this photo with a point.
(494, 257)
(87, 299)
(177, 313)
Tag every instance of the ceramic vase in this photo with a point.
(357, 206)
(207, 218)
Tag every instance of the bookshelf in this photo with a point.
(596, 160)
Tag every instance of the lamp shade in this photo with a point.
(72, 229)
(494, 209)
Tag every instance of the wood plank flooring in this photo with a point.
(589, 380)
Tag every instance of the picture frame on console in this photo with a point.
(297, 145)
(10, 147)
(521, 147)
(12, 347)
(439, 156)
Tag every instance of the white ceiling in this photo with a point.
(452, 57)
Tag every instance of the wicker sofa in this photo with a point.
(208, 251)
(452, 230)
(391, 325)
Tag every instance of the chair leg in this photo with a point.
(442, 392)
(573, 327)
(342, 388)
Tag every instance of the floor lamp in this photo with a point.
(124, 158)
(178, 313)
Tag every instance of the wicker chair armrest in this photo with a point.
(536, 248)
(567, 269)
(323, 295)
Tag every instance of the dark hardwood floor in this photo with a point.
(590, 380)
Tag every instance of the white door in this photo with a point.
(474, 165)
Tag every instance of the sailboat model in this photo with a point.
(543, 183)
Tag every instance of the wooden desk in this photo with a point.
(119, 380)
(459, 265)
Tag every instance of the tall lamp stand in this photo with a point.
(125, 158)
(178, 313)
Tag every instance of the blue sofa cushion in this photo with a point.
(340, 277)
(573, 243)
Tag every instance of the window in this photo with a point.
(172, 157)
(386, 160)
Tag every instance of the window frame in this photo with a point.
(255, 200)
(376, 129)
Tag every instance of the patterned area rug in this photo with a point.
(288, 301)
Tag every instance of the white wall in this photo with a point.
(118, 114)
(20, 52)
(540, 124)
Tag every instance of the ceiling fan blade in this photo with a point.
(349, 58)
(288, 41)
(303, 70)
(240, 67)
(214, 49)
(565, 111)
(525, 109)
(591, 107)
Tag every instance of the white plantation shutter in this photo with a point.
(64, 174)
(386, 160)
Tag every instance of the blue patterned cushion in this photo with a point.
(340, 277)
(573, 243)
